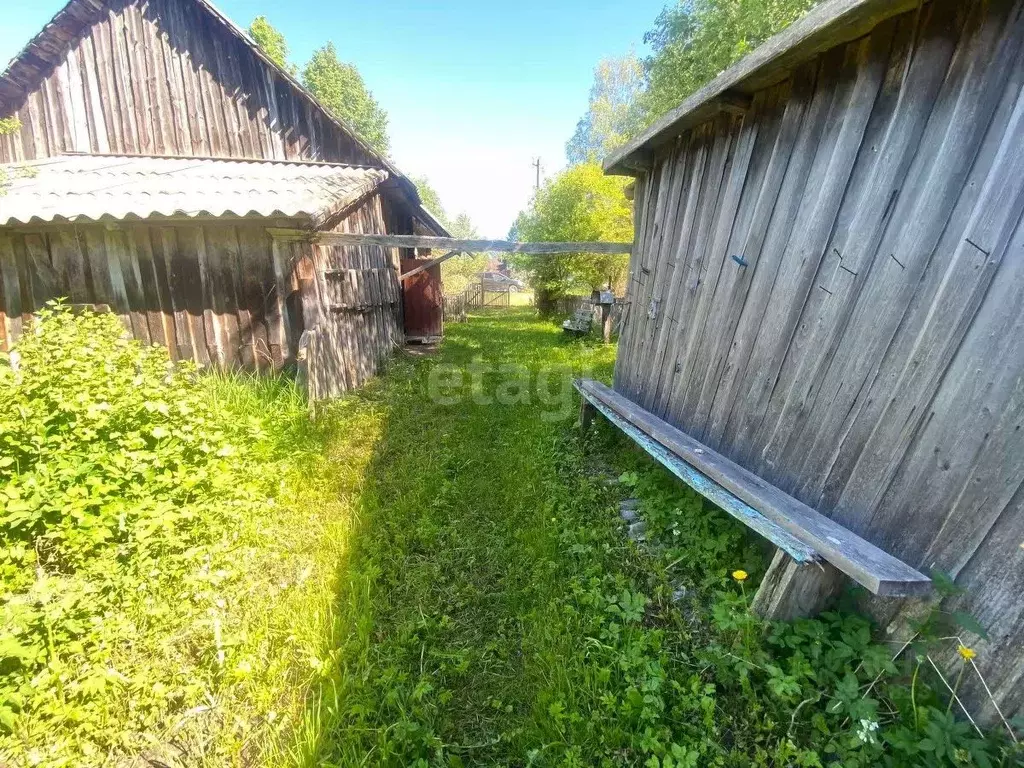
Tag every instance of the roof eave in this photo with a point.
(300, 220)
(831, 23)
(430, 221)
(337, 209)
(337, 190)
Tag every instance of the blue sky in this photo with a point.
(475, 90)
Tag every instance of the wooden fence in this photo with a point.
(494, 299)
(455, 305)
(475, 296)
(478, 296)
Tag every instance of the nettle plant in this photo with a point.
(114, 471)
(811, 692)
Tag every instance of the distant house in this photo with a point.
(167, 168)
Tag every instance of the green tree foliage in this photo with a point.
(10, 125)
(459, 271)
(339, 87)
(694, 41)
(337, 84)
(580, 203)
(430, 199)
(614, 112)
(272, 43)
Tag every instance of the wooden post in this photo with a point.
(606, 301)
(302, 377)
(606, 322)
(790, 590)
(587, 411)
(305, 274)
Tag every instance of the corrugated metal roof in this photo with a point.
(95, 187)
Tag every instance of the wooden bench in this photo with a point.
(805, 535)
(579, 324)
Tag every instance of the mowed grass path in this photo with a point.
(444, 634)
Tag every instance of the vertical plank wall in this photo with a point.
(222, 292)
(164, 77)
(830, 291)
(208, 292)
(355, 304)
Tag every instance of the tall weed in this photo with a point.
(147, 528)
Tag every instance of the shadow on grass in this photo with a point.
(453, 523)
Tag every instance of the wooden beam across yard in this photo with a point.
(859, 559)
(467, 246)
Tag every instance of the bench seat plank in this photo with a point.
(709, 489)
(862, 561)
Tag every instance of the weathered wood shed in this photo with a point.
(827, 288)
(165, 167)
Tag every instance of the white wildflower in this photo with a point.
(866, 732)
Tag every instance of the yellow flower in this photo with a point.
(966, 653)
(739, 575)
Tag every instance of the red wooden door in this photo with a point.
(422, 300)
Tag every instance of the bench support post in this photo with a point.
(587, 412)
(791, 590)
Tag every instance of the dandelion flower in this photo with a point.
(740, 575)
(966, 653)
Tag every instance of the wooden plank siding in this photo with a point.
(228, 292)
(150, 275)
(164, 77)
(357, 295)
(829, 290)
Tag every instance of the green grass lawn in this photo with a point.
(447, 633)
(434, 573)
(492, 611)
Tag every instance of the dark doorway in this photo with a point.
(422, 301)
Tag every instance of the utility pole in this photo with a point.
(536, 164)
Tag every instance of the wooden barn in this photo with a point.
(826, 310)
(166, 168)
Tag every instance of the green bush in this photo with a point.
(115, 473)
(104, 443)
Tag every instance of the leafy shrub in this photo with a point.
(116, 472)
(706, 682)
(104, 442)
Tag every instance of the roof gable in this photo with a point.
(170, 77)
(49, 48)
